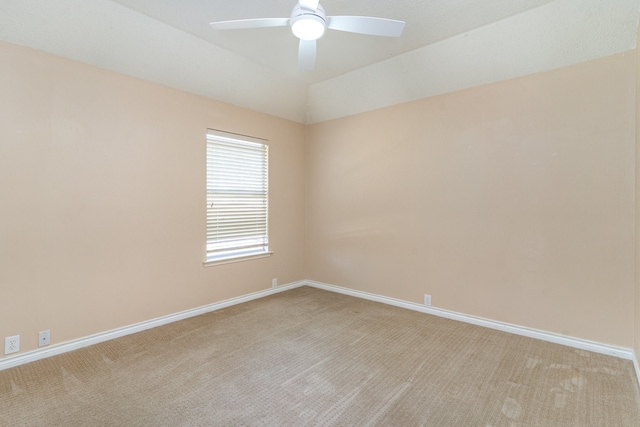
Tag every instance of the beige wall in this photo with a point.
(637, 233)
(512, 201)
(102, 189)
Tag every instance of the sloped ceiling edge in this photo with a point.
(121, 40)
(558, 34)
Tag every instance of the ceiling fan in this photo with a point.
(308, 22)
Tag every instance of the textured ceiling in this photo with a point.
(338, 52)
(446, 46)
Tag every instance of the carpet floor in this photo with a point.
(312, 357)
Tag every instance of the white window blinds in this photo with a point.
(237, 196)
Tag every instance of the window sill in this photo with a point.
(222, 261)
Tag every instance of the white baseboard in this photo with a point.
(621, 352)
(42, 353)
(31, 356)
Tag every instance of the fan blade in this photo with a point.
(366, 25)
(250, 23)
(311, 5)
(307, 55)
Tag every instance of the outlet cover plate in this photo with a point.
(44, 338)
(427, 300)
(12, 344)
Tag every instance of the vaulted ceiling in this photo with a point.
(446, 46)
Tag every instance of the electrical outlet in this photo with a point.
(12, 344)
(427, 299)
(44, 338)
(274, 283)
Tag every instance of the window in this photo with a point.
(237, 197)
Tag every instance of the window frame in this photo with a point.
(231, 192)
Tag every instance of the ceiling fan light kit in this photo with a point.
(307, 25)
(308, 22)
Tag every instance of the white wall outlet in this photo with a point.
(44, 338)
(427, 299)
(12, 344)
(274, 283)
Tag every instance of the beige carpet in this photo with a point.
(311, 357)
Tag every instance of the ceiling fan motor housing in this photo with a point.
(307, 24)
